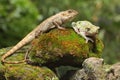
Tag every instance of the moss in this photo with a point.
(27, 72)
(63, 45)
(97, 49)
(23, 71)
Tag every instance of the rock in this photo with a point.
(80, 75)
(28, 72)
(92, 70)
(64, 72)
(23, 71)
(63, 47)
(114, 72)
(95, 69)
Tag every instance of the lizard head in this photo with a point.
(86, 26)
(68, 15)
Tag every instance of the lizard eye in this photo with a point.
(70, 11)
(87, 29)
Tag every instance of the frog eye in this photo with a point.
(87, 29)
(73, 24)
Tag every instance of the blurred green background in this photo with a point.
(19, 17)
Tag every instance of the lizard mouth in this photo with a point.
(69, 19)
(72, 18)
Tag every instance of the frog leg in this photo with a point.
(84, 36)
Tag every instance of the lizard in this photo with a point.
(85, 29)
(52, 22)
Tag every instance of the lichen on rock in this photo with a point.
(95, 69)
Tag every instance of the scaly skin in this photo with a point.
(85, 28)
(52, 22)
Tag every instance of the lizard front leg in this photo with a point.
(58, 26)
(26, 58)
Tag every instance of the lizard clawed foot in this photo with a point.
(61, 28)
(2, 62)
(58, 26)
(88, 39)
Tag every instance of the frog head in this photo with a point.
(86, 27)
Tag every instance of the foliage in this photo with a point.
(17, 18)
(28, 13)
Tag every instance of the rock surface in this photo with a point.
(95, 69)
(63, 47)
(114, 72)
(23, 71)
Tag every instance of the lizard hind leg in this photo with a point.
(27, 54)
(16, 62)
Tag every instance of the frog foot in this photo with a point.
(88, 39)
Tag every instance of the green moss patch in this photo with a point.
(63, 47)
(27, 72)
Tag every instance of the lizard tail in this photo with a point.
(8, 54)
(14, 49)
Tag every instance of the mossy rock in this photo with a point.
(23, 71)
(63, 47)
(28, 72)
